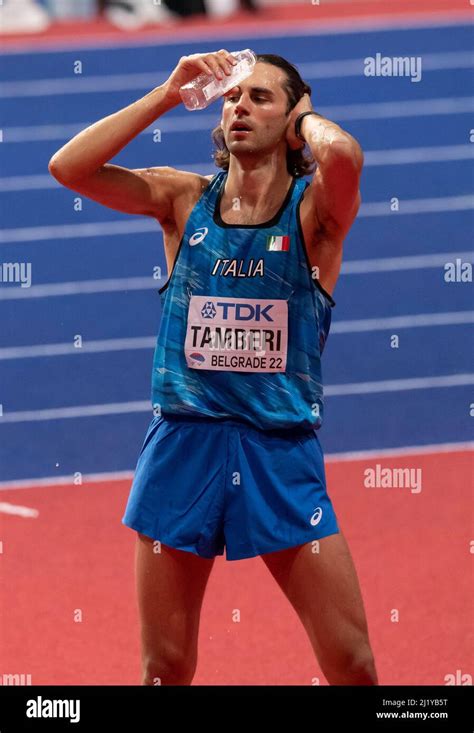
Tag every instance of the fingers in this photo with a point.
(219, 63)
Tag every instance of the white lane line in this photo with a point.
(37, 182)
(411, 450)
(206, 122)
(391, 110)
(272, 29)
(421, 320)
(33, 483)
(68, 349)
(399, 385)
(123, 226)
(336, 390)
(145, 225)
(409, 156)
(19, 511)
(418, 206)
(59, 413)
(85, 287)
(394, 264)
(120, 476)
(335, 69)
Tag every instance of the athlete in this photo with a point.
(232, 457)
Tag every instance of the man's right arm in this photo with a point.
(82, 163)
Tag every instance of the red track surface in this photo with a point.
(412, 552)
(85, 33)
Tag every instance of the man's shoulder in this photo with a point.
(184, 189)
(182, 179)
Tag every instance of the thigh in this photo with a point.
(280, 500)
(170, 590)
(320, 580)
(177, 495)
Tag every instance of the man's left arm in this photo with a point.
(335, 185)
(334, 196)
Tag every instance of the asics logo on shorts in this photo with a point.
(316, 518)
(198, 236)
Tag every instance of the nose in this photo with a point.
(242, 105)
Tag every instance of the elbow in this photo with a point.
(348, 154)
(56, 170)
(357, 155)
(59, 171)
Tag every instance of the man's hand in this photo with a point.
(304, 105)
(219, 63)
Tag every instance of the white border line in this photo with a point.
(67, 480)
(394, 452)
(115, 476)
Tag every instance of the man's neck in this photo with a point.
(257, 186)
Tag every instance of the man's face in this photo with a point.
(259, 103)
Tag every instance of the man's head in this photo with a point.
(262, 103)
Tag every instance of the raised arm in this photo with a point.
(333, 194)
(82, 163)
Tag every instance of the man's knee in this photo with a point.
(354, 666)
(361, 668)
(169, 666)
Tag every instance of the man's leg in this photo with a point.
(324, 590)
(170, 589)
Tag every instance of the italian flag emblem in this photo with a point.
(278, 244)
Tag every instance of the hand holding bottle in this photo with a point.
(218, 64)
(200, 79)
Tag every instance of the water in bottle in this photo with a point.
(205, 88)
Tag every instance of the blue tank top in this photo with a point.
(244, 323)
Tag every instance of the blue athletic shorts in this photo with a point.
(202, 484)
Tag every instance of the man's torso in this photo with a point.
(173, 230)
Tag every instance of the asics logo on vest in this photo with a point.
(198, 236)
(316, 518)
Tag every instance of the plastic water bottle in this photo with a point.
(205, 88)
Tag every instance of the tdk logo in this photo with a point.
(208, 310)
(238, 311)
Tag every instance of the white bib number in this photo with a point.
(236, 334)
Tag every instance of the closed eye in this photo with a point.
(235, 96)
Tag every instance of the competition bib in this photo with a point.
(236, 334)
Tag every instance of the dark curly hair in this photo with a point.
(298, 162)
